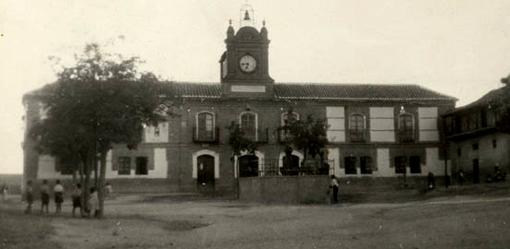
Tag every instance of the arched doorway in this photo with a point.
(248, 166)
(205, 173)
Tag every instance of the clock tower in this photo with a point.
(244, 65)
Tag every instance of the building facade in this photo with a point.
(476, 146)
(374, 130)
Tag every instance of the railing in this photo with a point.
(406, 136)
(283, 135)
(357, 136)
(274, 167)
(261, 137)
(203, 136)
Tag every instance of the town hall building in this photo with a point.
(374, 130)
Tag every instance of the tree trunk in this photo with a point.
(101, 184)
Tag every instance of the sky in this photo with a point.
(456, 47)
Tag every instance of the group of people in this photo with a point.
(90, 208)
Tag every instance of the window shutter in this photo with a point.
(115, 164)
(370, 164)
(150, 164)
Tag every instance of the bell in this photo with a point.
(246, 16)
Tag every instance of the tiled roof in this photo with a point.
(486, 99)
(357, 91)
(323, 91)
(306, 91)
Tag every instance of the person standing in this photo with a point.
(76, 197)
(4, 189)
(29, 197)
(93, 203)
(45, 196)
(334, 186)
(58, 191)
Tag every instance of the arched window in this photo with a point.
(205, 126)
(289, 117)
(406, 127)
(357, 127)
(248, 124)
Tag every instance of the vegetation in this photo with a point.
(308, 135)
(100, 101)
(502, 104)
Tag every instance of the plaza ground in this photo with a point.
(156, 221)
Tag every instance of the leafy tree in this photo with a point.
(100, 101)
(501, 105)
(308, 135)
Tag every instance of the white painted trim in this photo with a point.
(258, 154)
(213, 120)
(256, 122)
(285, 114)
(295, 153)
(194, 162)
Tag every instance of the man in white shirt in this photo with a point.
(334, 186)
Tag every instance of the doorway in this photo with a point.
(476, 171)
(205, 173)
(248, 166)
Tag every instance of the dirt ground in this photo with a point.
(169, 222)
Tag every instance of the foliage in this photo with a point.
(238, 142)
(501, 104)
(100, 101)
(308, 135)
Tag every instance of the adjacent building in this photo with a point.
(476, 145)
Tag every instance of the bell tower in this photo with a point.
(244, 65)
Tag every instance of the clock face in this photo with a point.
(247, 63)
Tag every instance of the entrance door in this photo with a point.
(205, 173)
(248, 166)
(476, 171)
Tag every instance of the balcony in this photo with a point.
(284, 135)
(261, 137)
(357, 136)
(406, 136)
(203, 136)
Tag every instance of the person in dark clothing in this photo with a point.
(334, 186)
(431, 181)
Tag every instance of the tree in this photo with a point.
(501, 106)
(308, 135)
(100, 101)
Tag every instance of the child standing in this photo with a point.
(58, 191)
(29, 197)
(45, 196)
(76, 197)
(93, 202)
(334, 185)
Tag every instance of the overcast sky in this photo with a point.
(457, 47)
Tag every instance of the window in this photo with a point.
(357, 128)
(124, 166)
(141, 166)
(205, 126)
(286, 119)
(156, 131)
(249, 125)
(406, 127)
(494, 143)
(350, 165)
(414, 164)
(365, 165)
(475, 146)
(289, 117)
(400, 164)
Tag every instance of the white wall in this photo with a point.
(382, 124)
(46, 169)
(428, 118)
(336, 122)
(160, 167)
(150, 136)
(383, 163)
(334, 154)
